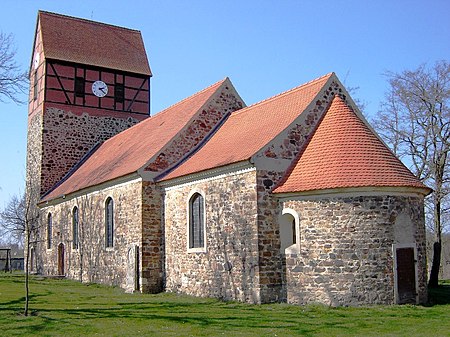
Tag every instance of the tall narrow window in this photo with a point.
(196, 222)
(294, 232)
(75, 228)
(109, 222)
(49, 231)
(35, 85)
(79, 86)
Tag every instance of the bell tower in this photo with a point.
(88, 82)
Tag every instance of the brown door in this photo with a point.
(61, 259)
(406, 275)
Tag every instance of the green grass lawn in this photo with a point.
(68, 308)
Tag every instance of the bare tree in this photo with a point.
(415, 122)
(31, 227)
(19, 220)
(13, 81)
(12, 220)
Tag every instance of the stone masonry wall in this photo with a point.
(345, 255)
(229, 267)
(152, 238)
(68, 136)
(92, 261)
(284, 149)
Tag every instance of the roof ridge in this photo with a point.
(284, 93)
(189, 97)
(87, 21)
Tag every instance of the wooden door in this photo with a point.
(406, 276)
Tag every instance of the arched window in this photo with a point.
(289, 222)
(75, 227)
(49, 230)
(109, 222)
(196, 221)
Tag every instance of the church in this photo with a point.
(293, 199)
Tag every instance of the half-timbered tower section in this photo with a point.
(89, 81)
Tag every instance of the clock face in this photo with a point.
(99, 88)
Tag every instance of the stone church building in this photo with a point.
(293, 199)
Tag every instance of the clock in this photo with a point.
(99, 88)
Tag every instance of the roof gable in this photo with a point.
(248, 130)
(70, 39)
(130, 150)
(343, 152)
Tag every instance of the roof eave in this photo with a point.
(54, 200)
(357, 190)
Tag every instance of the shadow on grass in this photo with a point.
(439, 295)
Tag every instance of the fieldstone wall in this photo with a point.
(345, 251)
(152, 239)
(69, 135)
(228, 269)
(92, 261)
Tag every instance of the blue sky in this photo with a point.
(265, 47)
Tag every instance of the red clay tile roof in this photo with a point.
(130, 150)
(82, 41)
(247, 130)
(342, 153)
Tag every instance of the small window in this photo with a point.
(49, 230)
(35, 85)
(196, 222)
(109, 222)
(289, 235)
(75, 228)
(79, 86)
(119, 93)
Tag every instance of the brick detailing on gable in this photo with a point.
(346, 255)
(196, 131)
(289, 145)
(67, 137)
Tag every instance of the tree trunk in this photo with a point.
(437, 246)
(27, 272)
(434, 275)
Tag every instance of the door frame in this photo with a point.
(416, 273)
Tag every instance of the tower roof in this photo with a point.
(343, 152)
(71, 39)
(247, 130)
(131, 149)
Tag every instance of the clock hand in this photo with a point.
(102, 89)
